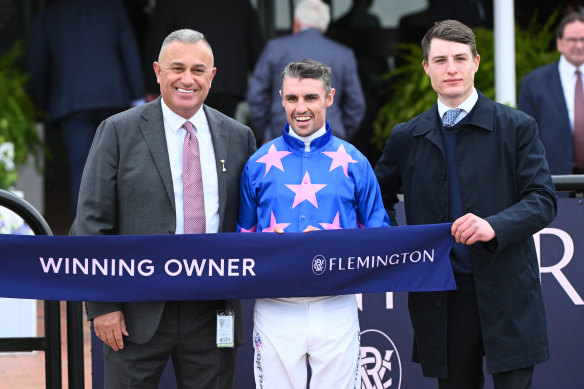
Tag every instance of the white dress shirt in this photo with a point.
(466, 106)
(175, 136)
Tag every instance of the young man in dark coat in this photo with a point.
(480, 165)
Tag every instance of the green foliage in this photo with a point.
(17, 116)
(412, 91)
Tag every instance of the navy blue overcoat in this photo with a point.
(504, 178)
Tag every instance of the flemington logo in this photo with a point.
(380, 361)
(318, 265)
(334, 264)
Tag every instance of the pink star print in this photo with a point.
(274, 224)
(332, 226)
(273, 158)
(305, 191)
(252, 229)
(340, 158)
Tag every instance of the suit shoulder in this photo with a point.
(423, 119)
(504, 112)
(540, 72)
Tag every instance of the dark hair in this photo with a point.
(308, 68)
(569, 18)
(449, 30)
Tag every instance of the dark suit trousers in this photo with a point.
(465, 349)
(186, 333)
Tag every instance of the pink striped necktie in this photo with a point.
(579, 123)
(193, 197)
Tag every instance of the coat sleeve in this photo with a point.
(525, 100)
(130, 56)
(259, 94)
(536, 204)
(353, 104)
(370, 209)
(96, 208)
(388, 175)
(96, 211)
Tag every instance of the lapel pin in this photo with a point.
(223, 164)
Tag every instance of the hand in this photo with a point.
(109, 328)
(278, 229)
(310, 228)
(470, 228)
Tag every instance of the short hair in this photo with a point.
(569, 18)
(187, 36)
(449, 30)
(313, 13)
(308, 68)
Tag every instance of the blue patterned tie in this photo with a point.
(450, 117)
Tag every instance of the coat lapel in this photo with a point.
(220, 138)
(430, 128)
(152, 128)
(554, 86)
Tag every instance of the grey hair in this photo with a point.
(187, 36)
(313, 13)
(308, 68)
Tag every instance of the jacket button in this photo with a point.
(443, 176)
(438, 303)
(441, 218)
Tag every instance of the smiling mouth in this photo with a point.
(302, 119)
(185, 90)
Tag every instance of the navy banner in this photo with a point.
(226, 266)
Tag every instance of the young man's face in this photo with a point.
(185, 73)
(451, 68)
(305, 102)
(571, 44)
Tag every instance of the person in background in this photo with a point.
(307, 180)
(84, 66)
(311, 19)
(479, 165)
(171, 166)
(554, 96)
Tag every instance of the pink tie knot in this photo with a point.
(189, 127)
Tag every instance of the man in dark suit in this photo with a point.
(84, 67)
(480, 165)
(232, 28)
(133, 185)
(311, 19)
(548, 94)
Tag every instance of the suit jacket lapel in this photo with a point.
(152, 128)
(554, 86)
(220, 138)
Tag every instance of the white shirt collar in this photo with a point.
(567, 69)
(467, 105)
(175, 121)
(309, 138)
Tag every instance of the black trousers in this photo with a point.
(465, 349)
(186, 334)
